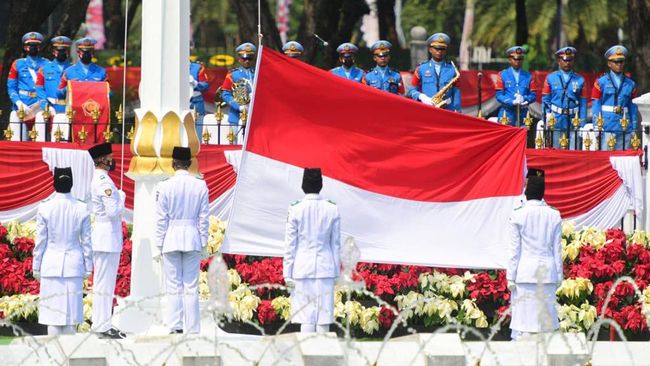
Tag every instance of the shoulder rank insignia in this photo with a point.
(102, 176)
(108, 192)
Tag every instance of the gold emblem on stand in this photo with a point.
(46, 114)
(576, 122)
(232, 136)
(108, 135)
(504, 120)
(219, 103)
(600, 122)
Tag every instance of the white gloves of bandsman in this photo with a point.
(193, 83)
(519, 100)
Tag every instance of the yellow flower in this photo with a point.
(282, 306)
(568, 228)
(243, 302)
(204, 289)
(587, 315)
(572, 250)
(233, 278)
(216, 232)
(568, 315)
(353, 311)
(639, 237)
(472, 311)
(574, 287)
(369, 319)
(456, 286)
(88, 307)
(481, 322)
(594, 237)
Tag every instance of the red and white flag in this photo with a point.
(414, 184)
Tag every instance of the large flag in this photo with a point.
(87, 98)
(414, 184)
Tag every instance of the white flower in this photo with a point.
(282, 306)
(204, 289)
(568, 228)
(233, 278)
(369, 320)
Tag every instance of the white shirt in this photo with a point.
(535, 243)
(182, 213)
(62, 246)
(107, 206)
(312, 239)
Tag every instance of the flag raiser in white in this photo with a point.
(467, 234)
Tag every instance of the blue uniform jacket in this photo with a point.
(570, 97)
(427, 81)
(232, 78)
(21, 82)
(355, 73)
(385, 78)
(77, 72)
(197, 71)
(47, 85)
(606, 96)
(507, 87)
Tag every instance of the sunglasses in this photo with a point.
(517, 58)
(440, 48)
(382, 55)
(618, 61)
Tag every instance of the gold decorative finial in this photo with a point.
(576, 122)
(624, 121)
(611, 142)
(550, 122)
(69, 113)
(131, 133)
(21, 113)
(232, 136)
(479, 114)
(58, 134)
(195, 114)
(108, 135)
(504, 119)
(206, 136)
(46, 114)
(83, 135)
(528, 120)
(600, 122)
(94, 114)
(635, 142)
(9, 133)
(119, 114)
(539, 141)
(219, 102)
(33, 134)
(587, 142)
(564, 142)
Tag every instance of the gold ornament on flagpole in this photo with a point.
(611, 142)
(539, 141)
(33, 134)
(635, 142)
(95, 115)
(21, 114)
(9, 133)
(58, 134)
(600, 122)
(624, 121)
(206, 136)
(119, 114)
(219, 103)
(564, 142)
(241, 95)
(528, 120)
(232, 136)
(504, 119)
(587, 142)
(108, 135)
(576, 122)
(83, 135)
(46, 114)
(550, 122)
(131, 133)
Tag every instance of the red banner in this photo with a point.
(89, 100)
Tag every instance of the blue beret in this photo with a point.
(61, 41)
(617, 52)
(246, 50)
(347, 47)
(85, 43)
(516, 51)
(292, 47)
(566, 52)
(439, 40)
(32, 37)
(381, 46)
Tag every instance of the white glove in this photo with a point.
(518, 99)
(204, 253)
(193, 83)
(424, 98)
(243, 108)
(511, 285)
(524, 103)
(291, 284)
(20, 105)
(37, 275)
(157, 256)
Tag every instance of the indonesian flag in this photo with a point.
(86, 97)
(414, 184)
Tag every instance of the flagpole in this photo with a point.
(124, 69)
(259, 24)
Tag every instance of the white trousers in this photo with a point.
(182, 288)
(104, 277)
(61, 329)
(61, 301)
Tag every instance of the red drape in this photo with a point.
(26, 179)
(577, 181)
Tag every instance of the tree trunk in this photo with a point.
(639, 18)
(74, 14)
(247, 14)
(113, 23)
(522, 23)
(24, 16)
(386, 16)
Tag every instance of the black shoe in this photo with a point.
(112, 334)
(176, 331)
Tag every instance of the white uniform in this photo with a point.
(312, 259)
(181, 233)
(535, 265)
(62, 255)
(107, 206)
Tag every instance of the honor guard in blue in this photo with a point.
(382, 76)
(181, 239)
(21, 81)
(612, 96)
(245, 72)
(62, 256)
(199, 84)
(293, 49)
(433, 75)
(85, 69)
(564, 95)
(348, 70)
(515, 88)
(49, 76)
(107, 206)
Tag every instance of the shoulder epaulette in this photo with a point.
(332, 202)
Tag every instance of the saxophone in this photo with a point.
(437, 100)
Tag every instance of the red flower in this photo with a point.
(3, 234)
(24, 245)
(5, 250)
(265, 312)
(386, 317)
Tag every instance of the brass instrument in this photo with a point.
(437, 100)
(241, 94)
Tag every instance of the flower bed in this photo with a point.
(424, 297)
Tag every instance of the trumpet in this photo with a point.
(437, 100)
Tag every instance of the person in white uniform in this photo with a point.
(62, 256)
(534, 268)
(312, 259)
(107, 207)
(181, 240)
